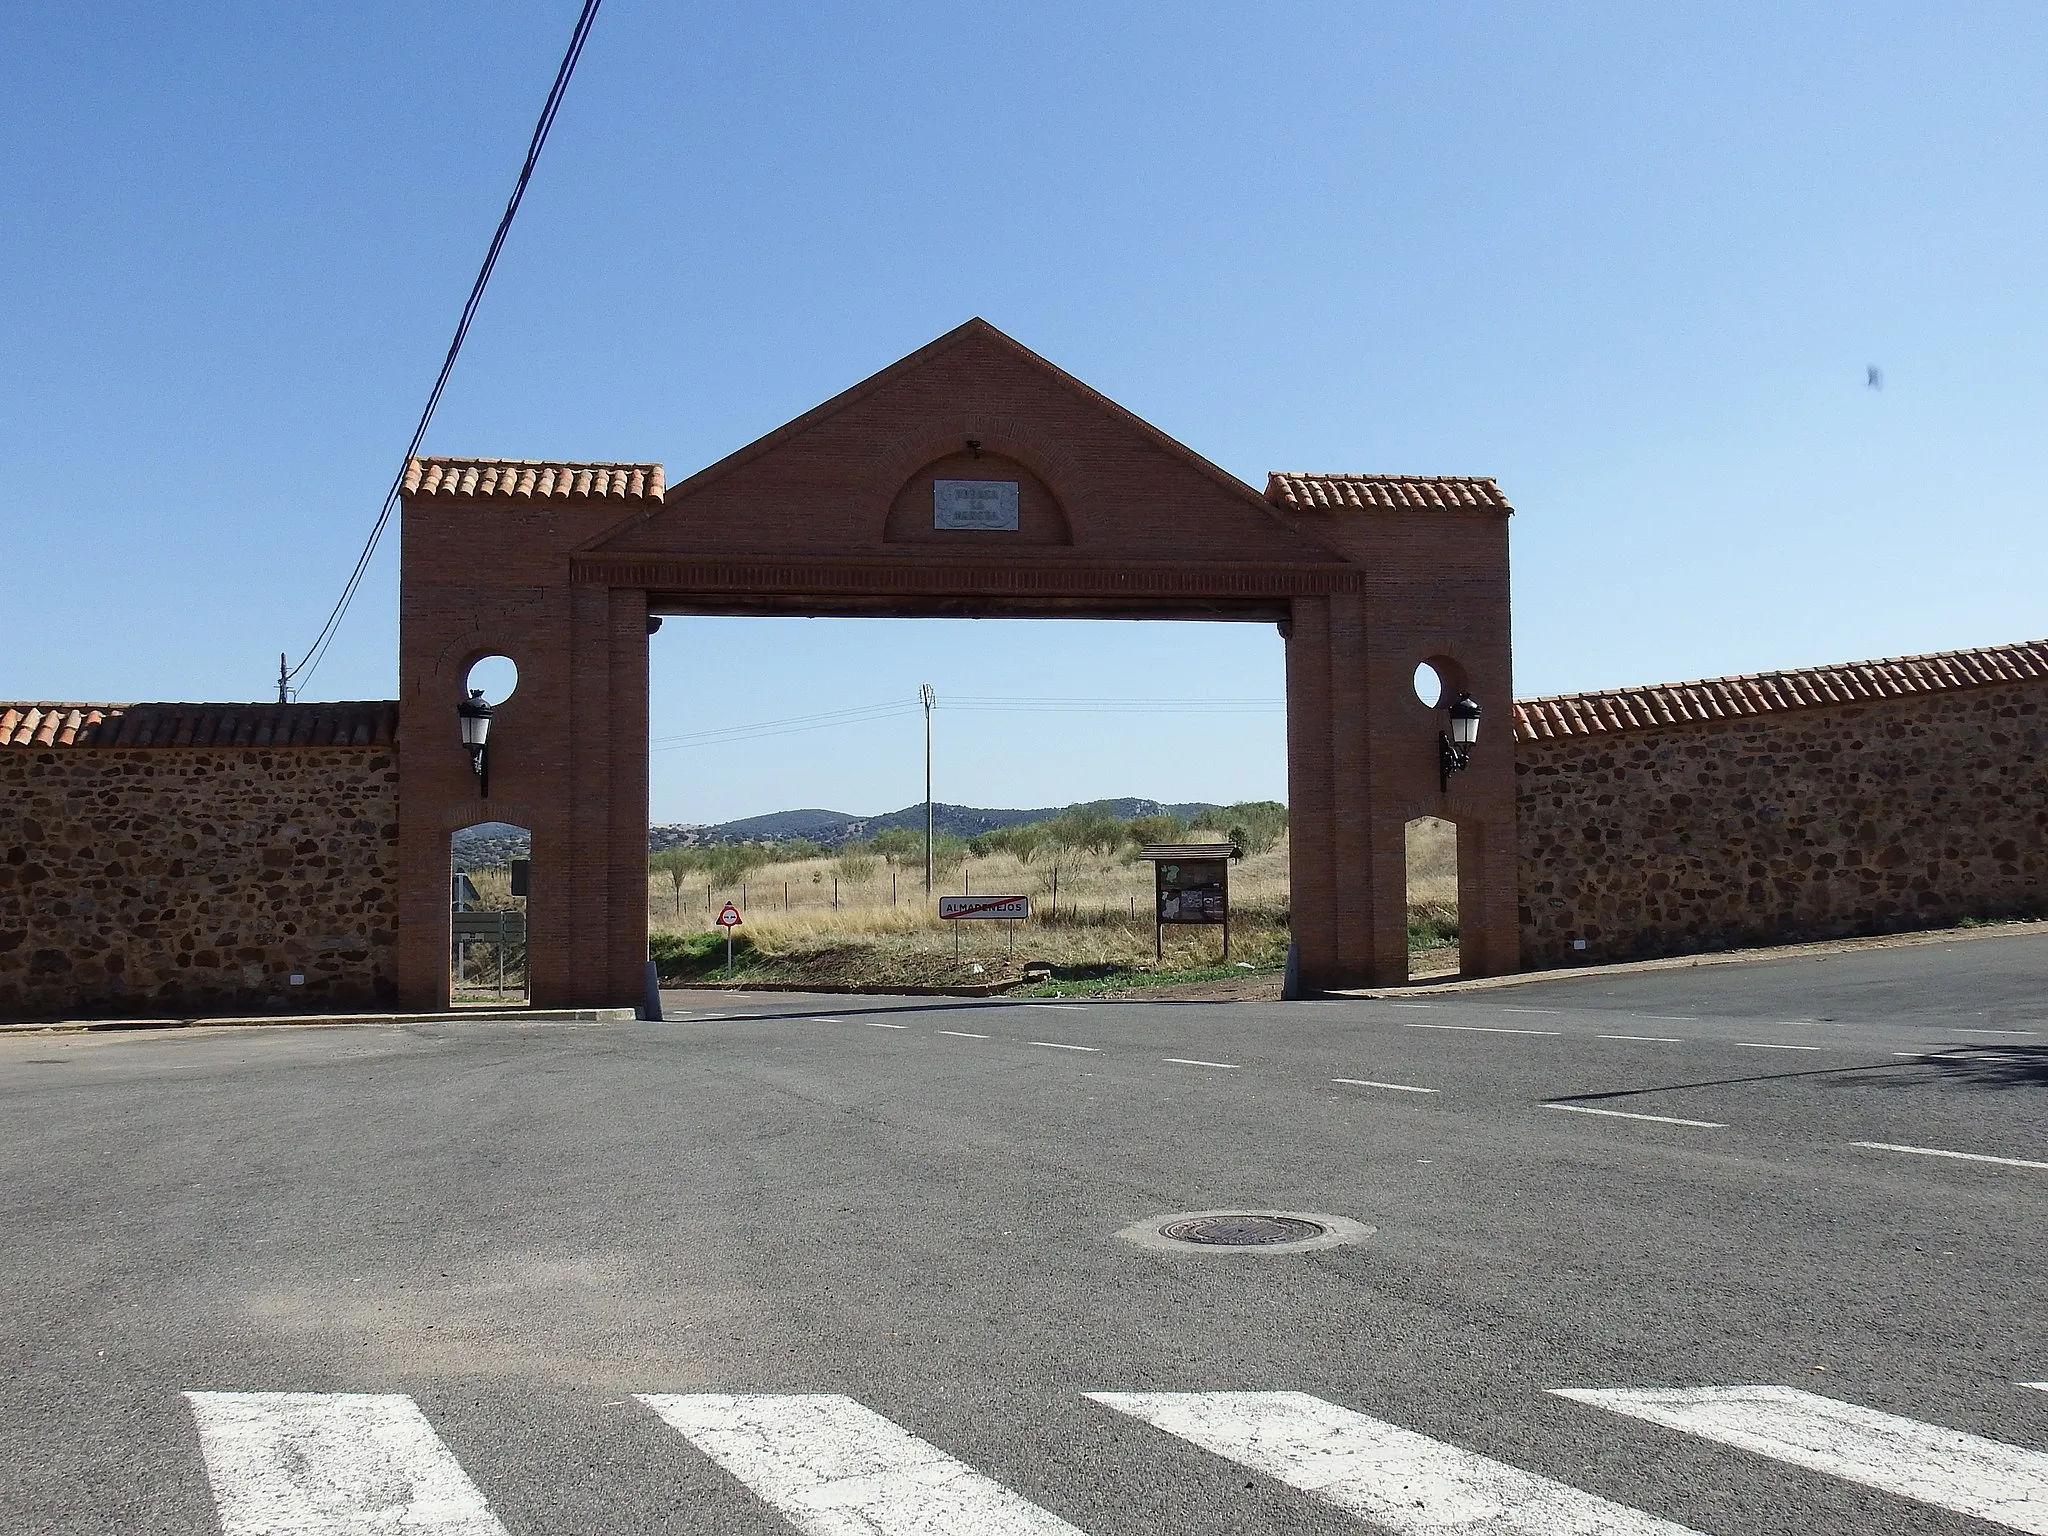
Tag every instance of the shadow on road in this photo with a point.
(1973, 1066)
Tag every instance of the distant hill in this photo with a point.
(492, 843)
(832, 828)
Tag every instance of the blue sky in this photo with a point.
(1630, 260)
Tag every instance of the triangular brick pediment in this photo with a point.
(972, 449)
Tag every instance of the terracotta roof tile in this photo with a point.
(355, 723)
(1764, 693)
(531, 479)
(1341, 493)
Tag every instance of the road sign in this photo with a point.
(951, 907)
(730, 917)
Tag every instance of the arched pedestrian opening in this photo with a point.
(490, 877)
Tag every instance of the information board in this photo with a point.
(1194, 891)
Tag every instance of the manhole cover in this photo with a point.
(1242, 1231)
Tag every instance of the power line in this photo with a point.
(1120, 706)
(859, 715)
(310, 662)
(863, 714)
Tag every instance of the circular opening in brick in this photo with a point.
(497, 676)
(1429, 684)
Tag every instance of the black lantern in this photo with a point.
(475, 713)
(1454, 746)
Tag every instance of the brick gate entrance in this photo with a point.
(1074, 509)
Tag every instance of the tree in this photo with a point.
(672, 864)
(1166, 828)
(1254, 825)
(899, 845)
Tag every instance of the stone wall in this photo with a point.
(1816, 821)
(168, 880)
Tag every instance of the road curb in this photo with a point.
(329, 1020)
(966, 989)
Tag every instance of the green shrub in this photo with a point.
(899, 845)
(1254, 825)
(695, 956)
(1165, 828)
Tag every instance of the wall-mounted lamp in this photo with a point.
(475, 713)
(1454, 746)
(974, 446)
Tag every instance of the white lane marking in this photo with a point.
(333, 1464)
(878, 1024)
(1532, 1010)
(822, 1018)
(1670, 1018)
(1759, 1045)
(1945, 1467)
(2038, 1386)
(834, 1468)
(1059, 1007)
(1411, 1005)
(1646, 1039)
(1055, 1045)
(1968, 1157)
(1992, 1031)
(1622, 1114)
(1403, 1481)
(963, 1034)
(1185, 1061)
(1366, 1082)
(1484, 1029)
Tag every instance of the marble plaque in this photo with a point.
(983, 504)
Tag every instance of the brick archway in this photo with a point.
(562, 566)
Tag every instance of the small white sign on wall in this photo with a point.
(977, 504)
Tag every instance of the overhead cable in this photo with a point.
(310, 662)
(865, 713)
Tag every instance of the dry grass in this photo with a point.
(1432, 863)
(1089, 910)
(1101, 917)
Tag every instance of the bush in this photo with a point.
(1166, 828)
(1087, 829)
(899, 845)
(691, 956)
(1254, 825)
(729, 862)
(1021, 841)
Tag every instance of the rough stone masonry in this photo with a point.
(160, 859)
(175, 858)
(1908, 793)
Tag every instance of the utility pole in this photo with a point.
(928, 699)
(284, 679)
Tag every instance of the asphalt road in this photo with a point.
(917, 1204)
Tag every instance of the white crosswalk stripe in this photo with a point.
(834, 1468)
(369, 1464)
(1404, 1481)
(332, 1464)
(2004, 1484)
